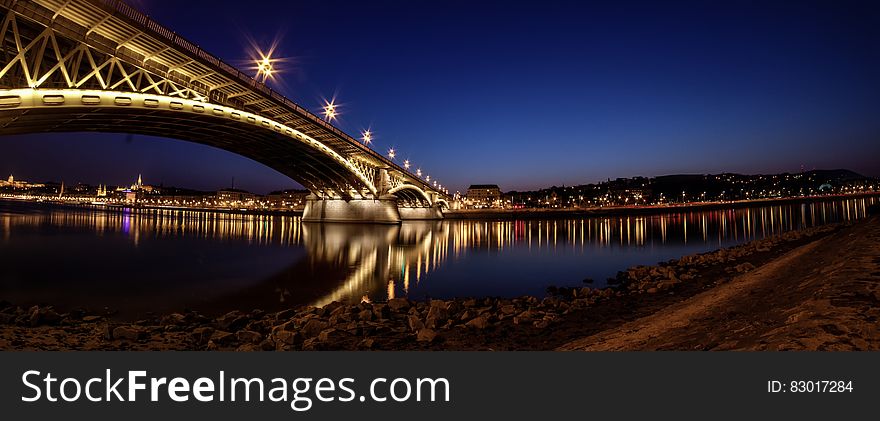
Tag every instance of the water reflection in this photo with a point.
(164, 260)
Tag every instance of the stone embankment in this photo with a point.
(396, 324)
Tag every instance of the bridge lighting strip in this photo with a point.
(36, 98)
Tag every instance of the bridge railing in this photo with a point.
(173, 39)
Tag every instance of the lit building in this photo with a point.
(483, 196)
(235, 197)
(20, 184)
(140, 186)
(288, 199)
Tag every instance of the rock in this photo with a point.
(466, 315)
(365, 315)
(469, 303)
(339, 318)
(541, 324)
(480, 322)
(437, 316)
(43, 315)
(332, 335)
(381, 311)
(34, 315)
(666, 284)
(249, 336)
(652, 290)
(248, 348)
(453, 307)
(329, 308)
(508, 309)
(313, 344)
(201, 334)
(50, 316)
(90, 319)
(220, 337)
(267, 345)
(234, 320)
(523, 318)
(262, 326)
(130, 333)
(398, 305)
(340, 311)
(366, 344)
(285, 314)
(426, 335)
(744, 267)
(313, 327)
(549, 302)
(286, 337)
(415, 323)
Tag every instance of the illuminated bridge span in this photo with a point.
(102, 66)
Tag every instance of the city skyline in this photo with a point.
(608, 91)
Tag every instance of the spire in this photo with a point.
(140, 182)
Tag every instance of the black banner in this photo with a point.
(438, 385)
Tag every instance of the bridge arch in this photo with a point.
(278, 146)
(409, 192)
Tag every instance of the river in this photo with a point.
(135, 261)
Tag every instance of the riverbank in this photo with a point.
(568, 318)
(549, 213)
(122, 207)
(823, 296)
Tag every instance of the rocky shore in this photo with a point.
(468, 323)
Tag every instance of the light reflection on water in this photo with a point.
(140, 260)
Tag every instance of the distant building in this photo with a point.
(287, 199)
(20, 184)
(140, 186)
(483, 196)
(235, 197)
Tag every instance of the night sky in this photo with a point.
(532, 94)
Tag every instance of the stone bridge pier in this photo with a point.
(387, 208)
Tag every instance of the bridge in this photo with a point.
(102, 66)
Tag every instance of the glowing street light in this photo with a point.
(330, 112)
(406, 164)
(428, 178)
(265, 68)
(419, 172)
(367, 137)
(391, 153)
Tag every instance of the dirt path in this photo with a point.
(824, 295)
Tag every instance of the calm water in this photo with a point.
(142, 260)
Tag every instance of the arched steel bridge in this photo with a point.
(102, 66)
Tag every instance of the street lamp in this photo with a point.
(330, 112)
(406, 164)
(391, 153)
(367, 137)
(265, 68)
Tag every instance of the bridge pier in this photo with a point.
(420, 213)
(376, 211)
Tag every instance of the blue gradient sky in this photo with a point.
(532, 94)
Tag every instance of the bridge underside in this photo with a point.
(294, 159)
